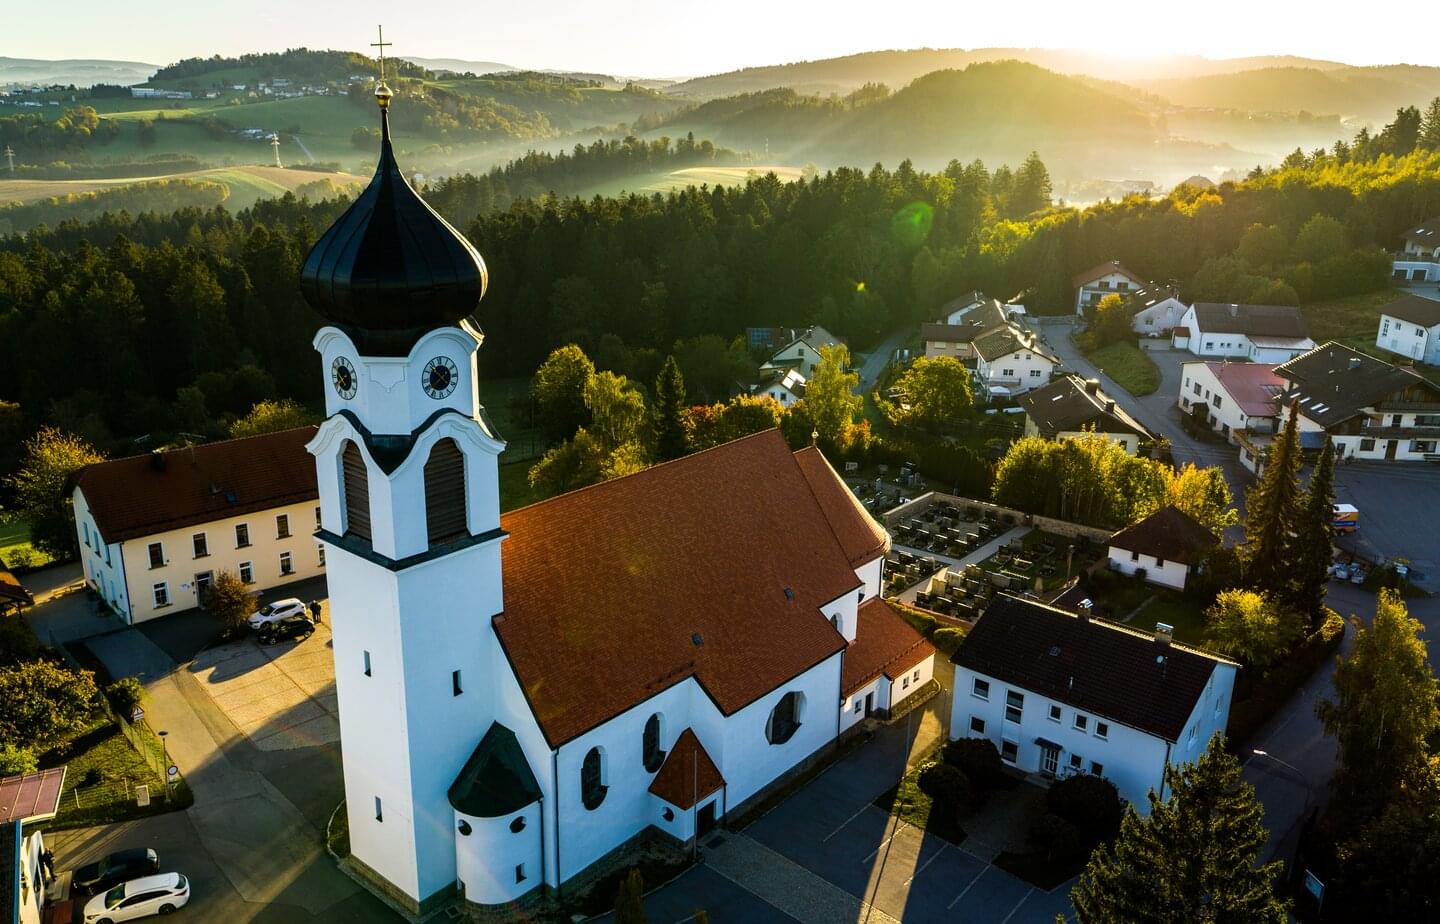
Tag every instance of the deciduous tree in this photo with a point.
(51, 457)
(1111, 322)
(229, 600)
(1250, 626)
(938, 393)
(271, 417)
(41, 702)
(830, 397)
(559, 387)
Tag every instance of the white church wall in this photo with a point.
(494, 862)
(852, 710)
(842, 610)
(512, 710)
(871, 574)
(389, 395)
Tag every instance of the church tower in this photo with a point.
(410, 519)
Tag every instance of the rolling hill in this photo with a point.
(460, 66)
(80, 72)
(1368, 93)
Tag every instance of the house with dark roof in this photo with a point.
(1156, 310)
(784, 385)
(1011, 360)
(1419, 258)
(1410, 327)
(803, 352)
(1369, 408)
(1071, 407)
(523, 694)
(155, 529)
(1063, 693)
(956, 338)
(1257, 333)
(1164, 548)
(1112, 278)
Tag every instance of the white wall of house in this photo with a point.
(1113, 283)
(1188, 336)
(1199, 385)
(902, 687)
(1019, 371)
(852, 708)
(800, 354)
(32, 883)
(960, 351)
(1375, 444)
(1127, 441)
(123, 573)
(1208, 718)
(1131, 759)
(870, 574)
(1406, 338)
(1419, 268)
(1157, 571)
(1159, 317)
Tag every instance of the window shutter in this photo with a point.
(445, 493)
(357, 493)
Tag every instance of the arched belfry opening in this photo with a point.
(355, 491)
(445, 493)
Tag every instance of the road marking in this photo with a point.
(857, 814)
(885, 843)
(921, 868)
(1017, 906)
(967, 888)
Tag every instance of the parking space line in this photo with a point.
(957, 898)
(921, 868)
(885, 843)
(857, 814)
(1017, 906)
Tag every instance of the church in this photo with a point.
(523, 695)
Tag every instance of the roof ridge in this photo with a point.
(1124, 629)
(206, 445)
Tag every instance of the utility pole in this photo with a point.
(10, 156)
(275, 146)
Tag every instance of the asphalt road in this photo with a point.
(878, 358)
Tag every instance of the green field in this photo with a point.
(1344, 318)
(1128, 365)
(246, 185)
(15, 548)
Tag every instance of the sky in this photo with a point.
(678, 38)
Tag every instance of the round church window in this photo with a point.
(668, 814)
(518, 824)
(464, 827)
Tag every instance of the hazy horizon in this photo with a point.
(669, 40)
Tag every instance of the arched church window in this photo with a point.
(355, 487)
(592, 779)
(654, 757)
(785, 718)
(445, 493)
(464, 828)
(835, 621)
(518, 824)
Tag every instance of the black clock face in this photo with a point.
(440, 377)
(342, 376)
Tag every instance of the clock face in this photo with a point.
(440, 377)
(343, 377)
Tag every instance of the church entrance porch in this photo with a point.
(705, 819)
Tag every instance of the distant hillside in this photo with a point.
(458, 66)
(77, 71)
(897, 68)
(1369, 93)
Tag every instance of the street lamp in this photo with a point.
(1309, 790)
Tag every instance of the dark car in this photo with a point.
(120, 866)
(290, 627)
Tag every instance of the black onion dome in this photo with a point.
(391, 269)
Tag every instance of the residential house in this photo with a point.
(1158, 309)
(1164, 548)
(1010, 361)
(769, 339)
(1259, 333)
(1106, 279)
(956, 338)
(25, 800)
(784, 385)
(955, 310)
(155, 529)
(1411, 328)
(1231, 398)
(1070, 407)
(1419, 261)
(1370, 408)
(1063, 693)
(803, 353)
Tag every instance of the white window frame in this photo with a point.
(160, 594)
(199, 545)
(238, 528)
(287, 564)
(975, 691)
(282, 526)
(246, 570)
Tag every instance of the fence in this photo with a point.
(1006, 515)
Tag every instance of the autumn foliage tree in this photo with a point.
(51, 457)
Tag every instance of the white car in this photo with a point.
(270, 612)
(139, 898)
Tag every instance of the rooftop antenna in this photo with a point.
(275, 146)
(10, 156)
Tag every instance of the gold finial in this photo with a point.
(382, 90)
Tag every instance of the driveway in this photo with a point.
(878, 358)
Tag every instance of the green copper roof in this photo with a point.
(496, 780)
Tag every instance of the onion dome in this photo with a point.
(391, 269)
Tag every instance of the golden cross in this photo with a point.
(382, 45)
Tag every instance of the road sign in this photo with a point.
(142, 795)
(137, 714)
(1314, 886)
(173, 771)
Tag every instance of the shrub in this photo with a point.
(124, 695)
(1058, 838)
(978, 759)
(948, 639)
(947, 785)
(1090, 803)
(15, 760)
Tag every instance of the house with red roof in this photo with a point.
(525, 695)
(1231, 398)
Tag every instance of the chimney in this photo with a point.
(157, 460)
(1164, 633)
(1110, 406)
(1092, 386)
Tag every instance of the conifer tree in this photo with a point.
(1313, 549)
(669, 412)
(630, 901)
(1430, 126)
(1193, 859)
(1270, 512)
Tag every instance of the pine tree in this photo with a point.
(1430, 126)
(1271, 509)
(1313, 551)
(1193, 859)
(630, 901)
(669, 412)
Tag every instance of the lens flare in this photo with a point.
(911, 225)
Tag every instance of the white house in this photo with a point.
(155, 529)
(523, 695)
(1419, 261)
(1061, 693)
(1411, 328)
(24, 801)
(802, 353)
(1106, 279)
(956, 335)
(1010, 361)
(956, 310)
(1258, 333)
(1231, 398)
(784, 385)
(1370, 408)
(1164, 548)
(1071, 407)
(1158, 309)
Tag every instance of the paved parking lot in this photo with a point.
(1397, 502)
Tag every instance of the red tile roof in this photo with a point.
(149, 494)
(713, 566)
(688, 774)
(859, 535)
(32, 796)
(884, 644)
(1252, 386)
(1105, 269)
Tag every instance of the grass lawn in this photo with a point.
(15, 548)
(1352, 316)
(907, 801)
(1128, 365)
(1119, 597)
(103, 766)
